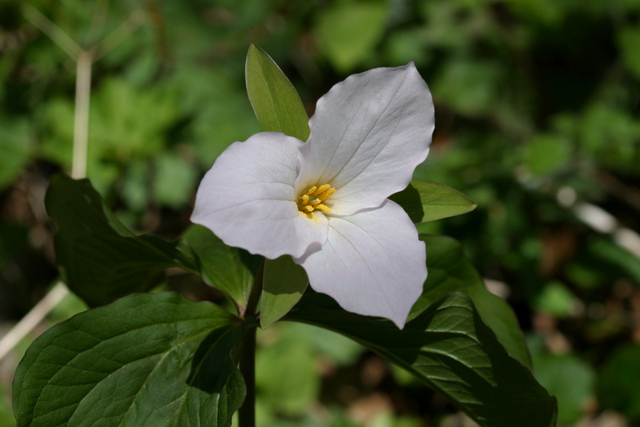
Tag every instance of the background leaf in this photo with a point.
(283, 285)
(287, 375)
(273, 98)
(449, 347)
(427, 201)
(569, 379)
(14, 146)
(146, 360)
(450, 271)
(362, 23)
(617, 381)
(99, 259)
(225, 268)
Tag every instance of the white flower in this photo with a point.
(324, 202)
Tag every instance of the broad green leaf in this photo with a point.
(99, 259)
(449, 347)
(427, 201)
(273, 98)
(283, 285)
(450, 271)
(227, 269)
(146, 360)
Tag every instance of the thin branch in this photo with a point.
(619, 189)
(55, 33)
(603, 222)
(98, 22)
(81, 117)
(32, 319)
(247, 365)
(120, 34)
(84, 62)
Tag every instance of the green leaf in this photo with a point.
(450, 271)
(618, 381)
(546, 154)
(174, 181)
(146, 360)
(99, 259)
(227, 269)
(14, 146)
(274, 99)
(283, 285)
(348, 32)
(287, 374)
(128, 122)
(628, 42)
(569, 379)
(427, 201)
(450, 348)
(555, 299)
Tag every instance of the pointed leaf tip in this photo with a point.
(429, 201)
(274, 99)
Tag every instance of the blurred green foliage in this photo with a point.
(537, 106)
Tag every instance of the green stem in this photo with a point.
(247, 363)
(247, 412)
(256, 292)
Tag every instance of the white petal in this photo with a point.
(367, 136)
(371, 264)
(248, 199)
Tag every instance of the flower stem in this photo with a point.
(247, 412)
(247, 362)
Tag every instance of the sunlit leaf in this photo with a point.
(428, 201)
(225, 268)
(283, 285)
(274, 99)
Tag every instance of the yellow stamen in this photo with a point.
(324, 196)
(313, 199)
(320, 190)
(323, 208)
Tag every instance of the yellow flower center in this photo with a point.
(313, 199)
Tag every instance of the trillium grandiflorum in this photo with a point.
(325, 202)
